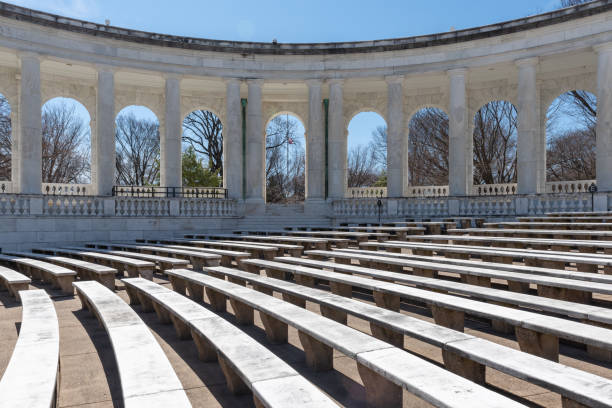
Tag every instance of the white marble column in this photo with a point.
(604, 117)
(336, 142)
(315, 162)
(30, 139)
(232, 140)
(103, 143)
(529, 150)
(171, 174)
(255, 144)
(460, 142)
(396, 141)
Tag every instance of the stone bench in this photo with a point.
(306, 243)
(85, 270)
(338, 242)
(384, 369)
(462, 353)
(566, 219)
(197, 259)
(352, 235)
(147, 378)
(580, 214)
(290, 249)
(162, 262)
(546, 259)
(603, 226)
(536, 333)
(133, 267)
(13, 281)
(536, 233)
(398, 232)
(246, 364)
(58, 276)
(588, 313)
(31, 377)
(257, 251)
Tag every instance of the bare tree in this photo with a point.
(570, 3)
(428, 148)
(285, 161)
(65, 145)
(378, 144)
(495, 143)
(204, 132)
(137, 147)
(361, 167)
(5, 139)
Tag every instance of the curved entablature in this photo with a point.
(242, 47)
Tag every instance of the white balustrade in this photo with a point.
(366, 192)
(494, 189)
(575, 186)
(427, 191)
(197, 207)
(142, 207)
(73, 206)
(14, 205)
(66, 189)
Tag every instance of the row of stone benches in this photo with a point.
(305, 242)
(383, 368)
(599, 226)
(536, 333)
(462, 353)
(535, 233)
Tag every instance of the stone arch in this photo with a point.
(137, 146)
(371, 162)
(431, 167)
(66, 153)
(198, 125)
(494, 142)
(570, 138)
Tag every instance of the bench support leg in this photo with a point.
(275, 274)
(144, 301)
(539, 344)
(387, 300)
(464, 367)
(263, 289)
(427, 273)
(520, 287)
(453, 319)
(206, 352)
(247, 267)
(571, 295)
(182, 330)
(568, 403)
(107, 280)
(476, 280)
(178, 284)
(16, 287)
(196, 292)
(243, 312)
(389, 335)
(276, 331)
(305, 280)
(319, 356)
(294, 300)
(341, 289)
(218, 301)
(233, 380)
(337, 315)
(65, 284)
(380, 392)
(162, 314)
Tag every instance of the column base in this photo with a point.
(254, 206)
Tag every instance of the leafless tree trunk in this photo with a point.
(137, 144)
(361, 167)
(428, 148)
(5, 139)
(65, 145)
(204, 132)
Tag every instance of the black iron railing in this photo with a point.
(169, 192)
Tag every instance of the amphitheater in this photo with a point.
(446, 296)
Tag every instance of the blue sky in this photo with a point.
(297, 21)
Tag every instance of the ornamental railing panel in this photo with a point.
(14, 205)
(142, 207)
(575, 186)
(66, 189)
(73, 206)
(366, 192)
(169, 192)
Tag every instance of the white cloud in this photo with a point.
(81, 9)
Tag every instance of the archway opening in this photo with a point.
(202, 150)
(428, 148)
(571, 120)
(5, 140)
(366, 151)
(137, 147)
(66, 142)
(285, 159)
(495, 138)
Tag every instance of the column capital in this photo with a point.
(233, 81)
(527, 62)
(109, 69)
(457, 72)
(169, 76)
(335, 81)
(28, 55)
(394, 79)
(255, 82)
(601, 48)
(313, 82)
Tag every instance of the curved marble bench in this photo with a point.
(58, 276)
(13, 281)
(536, 333)
(246, 364)
(147, 378)
(31, 377)
(384, 369)
(257, 251)
(307, 243)
(162, 262)
(462, 353)
(290, 249)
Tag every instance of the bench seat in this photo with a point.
(245, 362)
(572, 384)
(147, 378)
(162, 262)
(307, 243)
(290, 249)
(31, 377)
(59, 277)
(383, 368)
(13, 281)
(450, 311)
(258, 251)
(539, 233)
